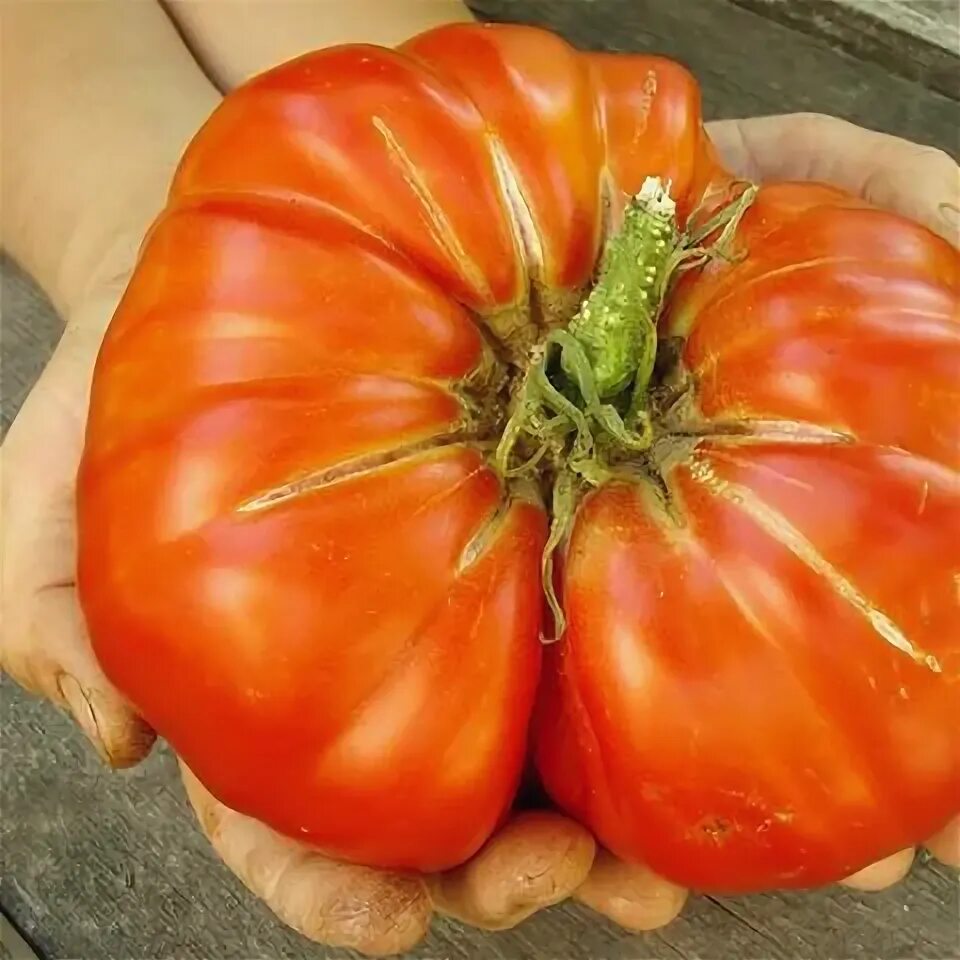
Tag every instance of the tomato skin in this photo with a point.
(304, 657)
(328, 695)
(722, 710)
(353, 661)
(297, 563)
(729, 704)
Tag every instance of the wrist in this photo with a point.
(99, 100)
(235, 41)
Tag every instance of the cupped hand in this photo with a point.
(538, 858)
(43, 642)
(535, 860)
(916, 181)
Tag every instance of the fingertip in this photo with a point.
(945, 845)
(555, 852)
(209, 811)
(48, 652)
(882, 874)
(631, 895)
(731, 147)
(344, 905)
(919, 182)
(375, 912)
(947, 223)
(120, 737)
(539, 858)
(916, 181)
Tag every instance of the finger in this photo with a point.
(630, 895)
(338, 904)
(945, 846)
(44, 644)
(537, 859)
(916, 181)
(882, 874)
(55, 660)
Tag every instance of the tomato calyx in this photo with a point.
(585, 410)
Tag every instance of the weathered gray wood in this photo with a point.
(748, 64)
(917, 39)
(95, 865)
(106, 865)
(936, 22)
(12, 944)
(29, 329)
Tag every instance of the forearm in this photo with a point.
(99, 100)
(234, 40)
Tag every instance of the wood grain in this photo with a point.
(29, 330)
(916, 39)
(111, 865)
(97, 865)
(12, 944)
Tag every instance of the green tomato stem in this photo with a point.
(583, 401)
(617, 324)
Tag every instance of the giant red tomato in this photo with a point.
(303, 560)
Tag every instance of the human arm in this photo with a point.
(100, 101)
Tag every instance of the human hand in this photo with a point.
(137, 96)
(537, 859)
(263, 859)
(916, 181)
(43, 644)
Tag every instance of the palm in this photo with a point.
(45, 647)
(44, 643)
(536, 859)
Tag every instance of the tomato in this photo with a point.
(301, 562)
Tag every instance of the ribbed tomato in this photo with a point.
(758, 687)
(305, 559)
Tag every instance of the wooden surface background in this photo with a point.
(917, 39)
(97, 865)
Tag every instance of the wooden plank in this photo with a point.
(749, 64)
(916, 39)
(29, 329)
(101, 865)
(936, 22)
(12, 944)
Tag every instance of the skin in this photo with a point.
(137, 93)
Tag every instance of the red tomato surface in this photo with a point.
(298, 563)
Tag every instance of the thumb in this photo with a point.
(376, 912)
(48, 652)
(537, 859)
(630, 894)
(44, 644)
(916, 181)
